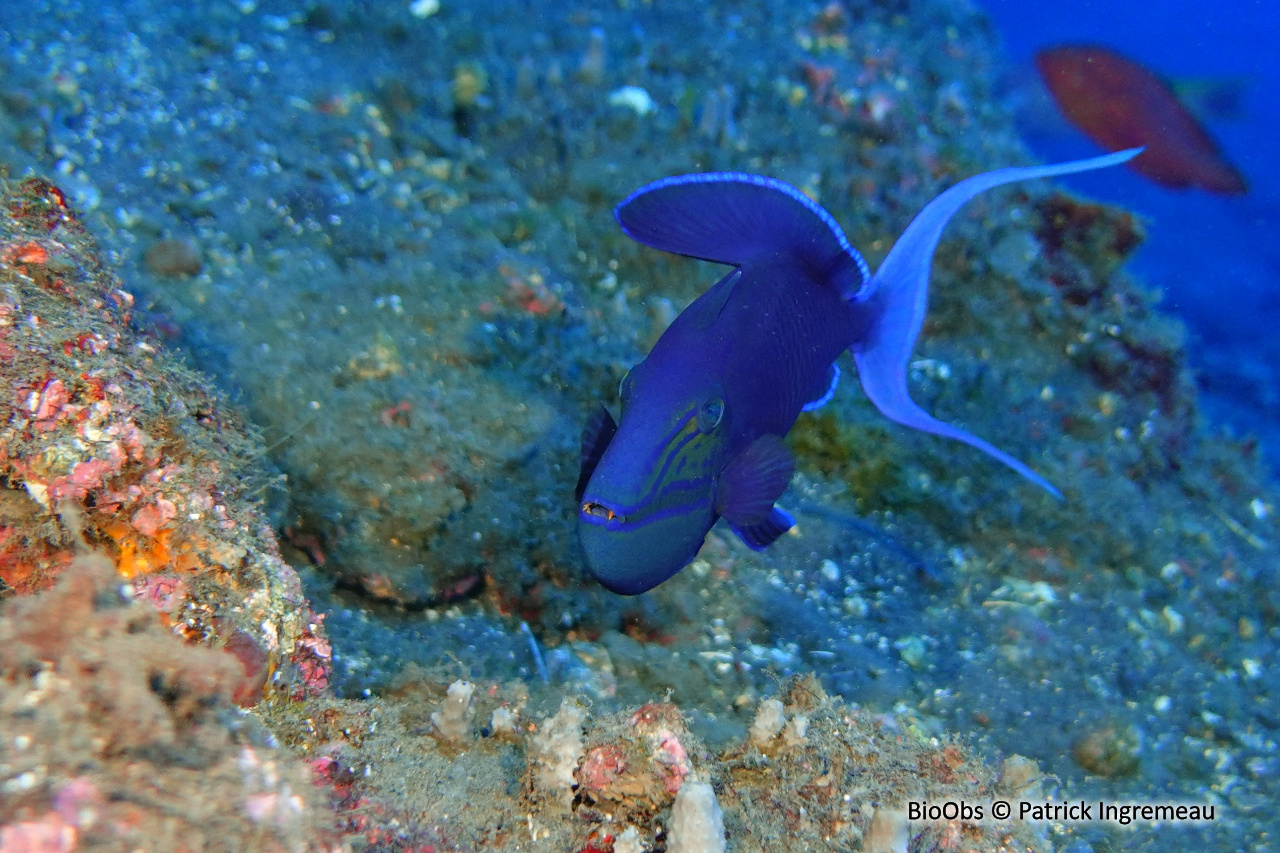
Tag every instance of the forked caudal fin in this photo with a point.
(898, 292)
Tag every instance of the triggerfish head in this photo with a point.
(704, 415)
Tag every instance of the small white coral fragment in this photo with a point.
(1020, 777)
(554, 752)
(628, 841)
(453, 721)
(770, 718)
(697, 824)
(503, 722)
(633, 98)
(793, 734)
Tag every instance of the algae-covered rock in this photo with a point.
(108, 442)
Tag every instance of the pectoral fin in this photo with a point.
(749, 485)
(596, 436)
(757, 537)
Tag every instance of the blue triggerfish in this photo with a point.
(704, 415)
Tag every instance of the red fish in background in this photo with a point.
(1119, 104)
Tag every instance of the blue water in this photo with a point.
(1216, 259)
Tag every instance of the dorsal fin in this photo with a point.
(733, 217)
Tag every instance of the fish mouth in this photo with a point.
(631, 554)
(598, 512)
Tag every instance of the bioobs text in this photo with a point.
(950, 810)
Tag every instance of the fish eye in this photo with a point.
(710, 415)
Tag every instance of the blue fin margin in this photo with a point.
(828, 394)
(733, 217)
(759, 536)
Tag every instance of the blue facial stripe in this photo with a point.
(664, 445)
(659, 487)
(662, 500)
(627, 511)
(673, 453)
(665, 507)
(656, 507)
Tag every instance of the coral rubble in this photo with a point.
(578, 780)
